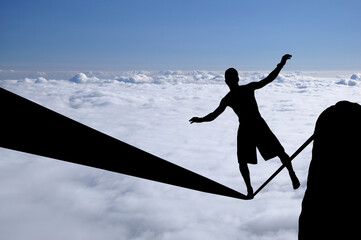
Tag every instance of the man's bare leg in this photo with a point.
(243, 167)
(285, 159)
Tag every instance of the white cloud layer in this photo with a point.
(83, 78)
(47, 199)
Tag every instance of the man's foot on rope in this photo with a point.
(250, 193)
(295, 182)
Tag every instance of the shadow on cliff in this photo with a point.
(330, 208)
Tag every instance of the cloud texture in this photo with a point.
(47, 199)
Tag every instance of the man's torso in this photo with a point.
(243, 102)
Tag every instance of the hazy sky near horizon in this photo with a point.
(111, 35)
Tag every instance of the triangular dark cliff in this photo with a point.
(31, 128)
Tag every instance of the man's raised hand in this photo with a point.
(285, 58)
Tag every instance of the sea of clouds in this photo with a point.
(41, 198)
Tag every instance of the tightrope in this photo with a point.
(283, 166)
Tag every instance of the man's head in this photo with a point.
(231, 76)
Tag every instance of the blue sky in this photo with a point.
(114, 35)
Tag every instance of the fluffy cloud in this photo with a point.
(46, 199)
(136, 78)
(171, 77)
(41, 80)
(356, 76)
(83, 78)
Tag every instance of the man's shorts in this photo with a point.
(257, 135)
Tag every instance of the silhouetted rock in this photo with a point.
(330, 206)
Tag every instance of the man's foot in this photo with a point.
(295, 182)
(250, 193)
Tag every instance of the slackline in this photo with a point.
(283, 166)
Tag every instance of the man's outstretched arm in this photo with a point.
(210, 117)
(272, 76)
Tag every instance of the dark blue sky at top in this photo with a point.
(159, 35)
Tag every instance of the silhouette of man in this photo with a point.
(253, 131)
